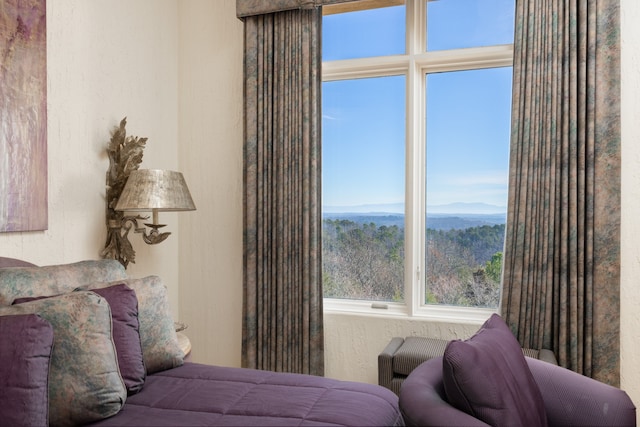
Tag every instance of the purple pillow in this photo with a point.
(126, 334)
(488, 377)
(123, 303)
(27, 340)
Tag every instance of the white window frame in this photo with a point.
(415, 65)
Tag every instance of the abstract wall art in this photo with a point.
(23, 116)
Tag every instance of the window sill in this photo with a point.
(432, 313)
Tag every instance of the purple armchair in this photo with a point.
(569, 399)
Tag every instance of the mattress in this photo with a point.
(205, 395)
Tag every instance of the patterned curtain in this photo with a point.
(561, 284)
(246, 8)
(282, 307)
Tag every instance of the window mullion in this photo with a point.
(466, 59)
(364, 67)
(414, 206)
(414, 199)
(416, 26)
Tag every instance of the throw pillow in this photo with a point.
(24, 369)
(160, 348)
(488, 377)
(84, 381)
(126, 334)
(19, 282)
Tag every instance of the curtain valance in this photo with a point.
(246, 8)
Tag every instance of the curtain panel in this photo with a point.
(561, 279)
(282, 304)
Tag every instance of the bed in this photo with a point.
(195, 394)
(191, 393)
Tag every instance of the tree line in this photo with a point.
(366, 261)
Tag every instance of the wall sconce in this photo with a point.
(155, 191)
(130, 189)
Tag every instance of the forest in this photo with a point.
(366, 261)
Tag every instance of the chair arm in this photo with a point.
(574, 399)
(385, 362)
(422, 399)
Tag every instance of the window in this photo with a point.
(415, 132)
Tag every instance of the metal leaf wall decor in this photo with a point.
(125, 155)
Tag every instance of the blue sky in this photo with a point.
(364, 120)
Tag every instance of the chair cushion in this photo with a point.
(488, 377)
(25, 353)
(84, 380)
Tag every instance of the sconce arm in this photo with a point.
(153, 238)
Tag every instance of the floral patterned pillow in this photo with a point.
(20, 282)
(160, 348)
(84, 381)
(125, 332)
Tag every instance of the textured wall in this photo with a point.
(353, 341)
(211, 46)
(106, 59)
(630, 248)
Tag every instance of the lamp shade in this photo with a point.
(155, 190)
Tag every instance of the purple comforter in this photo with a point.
(204, 395)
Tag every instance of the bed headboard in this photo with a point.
(13, 262)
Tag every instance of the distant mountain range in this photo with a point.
(458, 216)
(398, 208)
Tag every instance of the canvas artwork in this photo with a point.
(23, 115)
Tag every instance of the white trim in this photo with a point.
(415, 65)
(467, 59)
(429, 62)
(414, 283)
(364, 67)
(435, 313)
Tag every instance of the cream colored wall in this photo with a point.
(211, 153)
(106, 59)
(353, 341)
(630, 245)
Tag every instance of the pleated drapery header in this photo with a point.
(246, 8)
